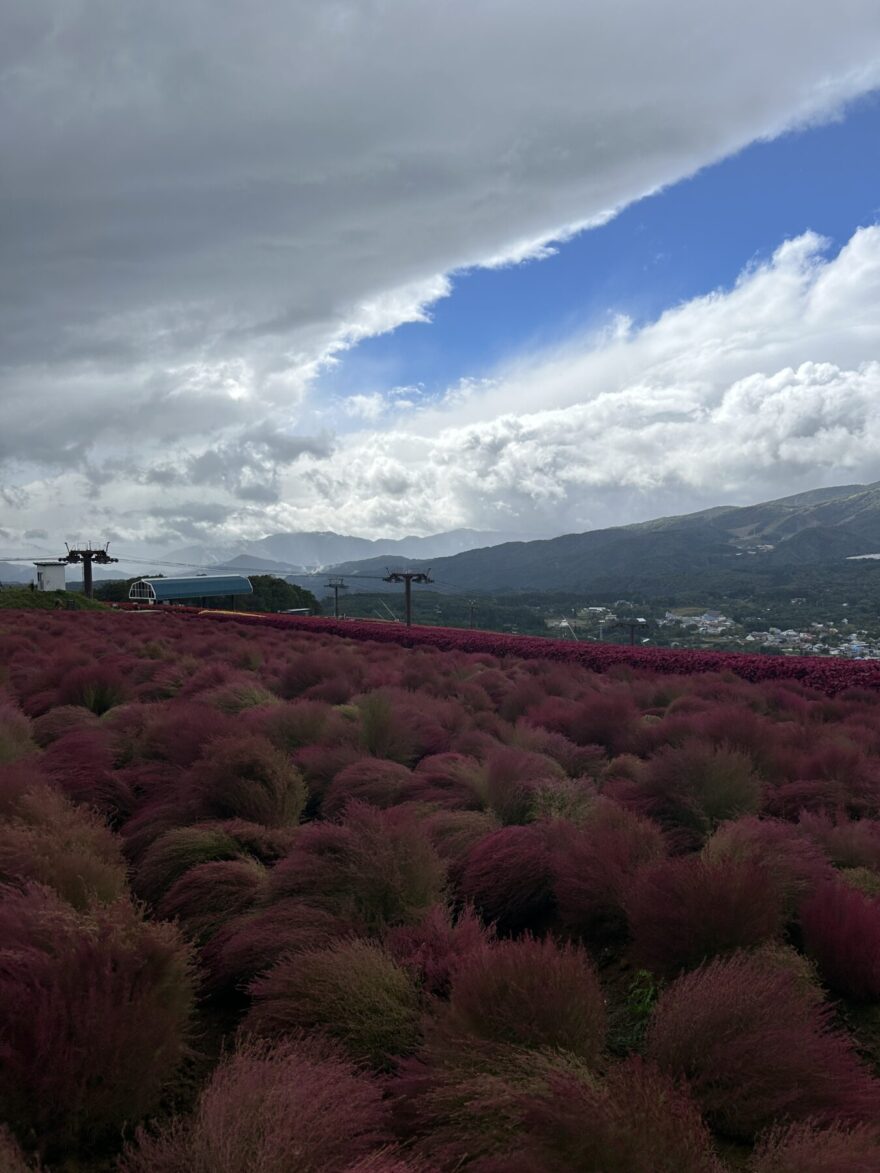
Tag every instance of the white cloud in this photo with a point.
(205, 204)
(768, 388)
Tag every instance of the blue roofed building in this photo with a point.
(200, 589)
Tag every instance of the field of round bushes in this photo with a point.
(280, 901)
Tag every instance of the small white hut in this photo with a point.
(50, 576)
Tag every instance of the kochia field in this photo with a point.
(302, 896)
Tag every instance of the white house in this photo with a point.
(50, 576)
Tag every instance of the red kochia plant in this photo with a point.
(577, 760)
(378, 868)
(11, 1157)
(814, 1148)
(45, 838)
(319, 764)
(293, 725)
(245, 777)
(683, 911)
(690, 789)
(96, 686)
(776, 847)
(637, 1121)
(529, 993)
(594, 865)
(451, 780)
(755, 1043)
(847, 843)
(508, 876)
(609, 719)
(251, 943)
(175, 852)
(93, 1014)
(301, 1104)
(841, 931)
(15, 732)
(461, 1103)
(390, 1161)
(351, 990)
(307, 669)
(512, 778)
(210, 894)
(81, 762)
(372, 780)
(455, 832)
(179, 731)
(435, 948)
(63, 719)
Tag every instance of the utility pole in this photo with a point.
(87, 555)
(472, 603)
(336, 585)
(408, 577)
(634, 625)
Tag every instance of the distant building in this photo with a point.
(50, 576)
(196, 590)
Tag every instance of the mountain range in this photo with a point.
(316, 550)
(785, 539)
(805, 530)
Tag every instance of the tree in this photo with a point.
(274, 594)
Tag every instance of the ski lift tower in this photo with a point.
(88, 555)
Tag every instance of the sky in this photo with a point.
(388, 267)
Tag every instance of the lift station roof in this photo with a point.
(202, 586)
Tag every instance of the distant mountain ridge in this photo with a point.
(286, 552)
(821, 525)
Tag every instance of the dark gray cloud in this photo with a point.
(202, 202)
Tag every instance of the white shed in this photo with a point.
(50, 576)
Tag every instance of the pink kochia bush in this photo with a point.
(175, 852)
(300, 1104)
(848, 844)
(210, 894)
(373, 780)
(502, 1109)
(637, 1120)
(12, 1159)
(529, 993)
(246, 777)
(508, 876)
(15, 733)
(795, 864)
(684, 911)
(377, 868)
(690, 789)
(841, 932)
(45, 838)
(60, 720)
(812, 1148)
(94, 1011)
(97, 687)
(755, 1042)
(404, 840)
(353, 991)
(436, 948)
(81, 764)
(250, 943)
(594, 866)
